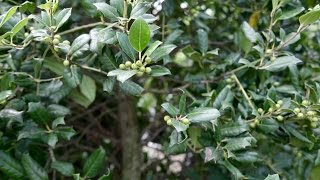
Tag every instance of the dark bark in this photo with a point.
(130, 139)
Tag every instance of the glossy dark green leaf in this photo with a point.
(108, 11)
(281, 62)
(291, 13)
(131, 88)
(203, 115)
(152, 48)
(139, 34)
(158, 71)
(63, 16)
(202, 39)
(64, 168)
(72, 76)
(88, 88)
(125, 45)
(179, 126)
(182, 104)
(78, 43)
(38, 113)
(224, 98)
(161, 52)
(33, 169)
(233, 129)
(94, 163)
(173, 111)
(122, 75)
(249, 32)
(10, 166)
(108, 84)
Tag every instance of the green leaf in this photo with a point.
(125, 45)
(158, 71)
(118, 4)
(291, 13)
(139, 34)
(179, 126)
(281, 62)
(224, 98)
(202, 39)
(108, 84)
(104, 177)
(108, 11)
(122, 75)
(297, 134)
(182, 104)
(5, 94)
(78, 43)
(152, 48)
(57, 122)
(72, 76)
(88, 88)
(19, 26)
(52, 139)
(235, 171)
(63, 16)
(173, 111)
(235, 144)
(8, 15)
(161, 52)
(249, 32)
(33, 169)
(65, 132)
(94, 163)
(38, 113)
(140, 9)
(64, 168)
(131, 88)
(203, 115)
(310, 17)
(79, 98)
(27, 6)
(272, 177)
(233, 129)
(11, 115)
(9, 166)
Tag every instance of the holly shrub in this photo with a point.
(163, 89)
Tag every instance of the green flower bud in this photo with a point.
(280, 102)
(122, 66)
(134, 66)
(256, 121)
(31, 28)
(169, 122)
(229, 80)
(140, 74)
(66, 63)
(269, 51)
(252, 125)
(270, 110)
(55, 41)
(305, 102)
(315, 119)
(57, 36)
(185, 121)
(300, 115)
(128, 64)
(148, 60)
(139, 63)
(297, 110)
(56, 49)
(278, 106)
(260, 110)
(276, 84)
(166, 118)
(142, 69)
(313, 124)
(310, 113)
(66, 42)
(148, 70)
(26, 34)
(280, 118)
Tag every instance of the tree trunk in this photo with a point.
(130, 139)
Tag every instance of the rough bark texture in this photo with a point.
(130, 139)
